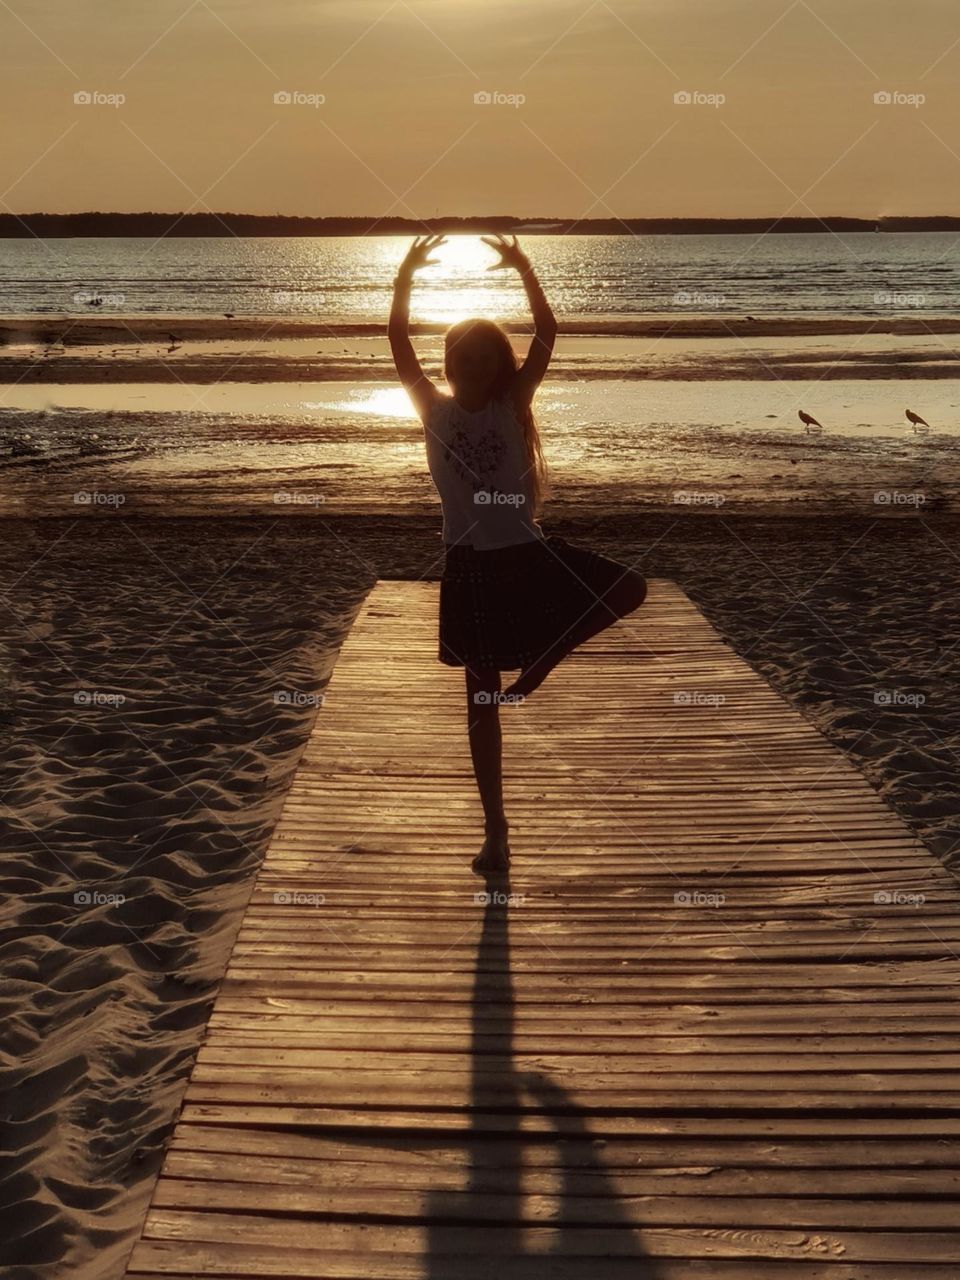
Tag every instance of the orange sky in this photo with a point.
(597, 134)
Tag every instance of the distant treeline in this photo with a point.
(53, 225)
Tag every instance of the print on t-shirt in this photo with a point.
(476, 459)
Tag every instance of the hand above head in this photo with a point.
(511, 255)
(418, 255)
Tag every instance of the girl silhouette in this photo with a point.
(512, 598)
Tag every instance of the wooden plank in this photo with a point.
(606, 1202)
(606, 1125)
(498, 1242)
(405, 1080)
(722, 1152)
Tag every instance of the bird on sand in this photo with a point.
(809, 421)
(917, 421)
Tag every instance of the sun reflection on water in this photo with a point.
(461, 284)
(378, 402)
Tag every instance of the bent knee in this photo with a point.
(629, 594)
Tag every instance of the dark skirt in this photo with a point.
(503, 609)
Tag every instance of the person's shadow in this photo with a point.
(485, 1221)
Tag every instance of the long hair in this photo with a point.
(463, 331)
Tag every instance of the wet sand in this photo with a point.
(615, 447)
(206, 351)
(108, 325)
(162, 678)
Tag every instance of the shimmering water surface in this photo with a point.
(347, 278)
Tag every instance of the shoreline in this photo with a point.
(207, 350)
(82, 328)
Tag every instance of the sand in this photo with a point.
(146, 757)
(161, 676)
(167, 797)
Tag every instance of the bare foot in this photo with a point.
(494, 857)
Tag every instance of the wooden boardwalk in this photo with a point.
(708, 1030)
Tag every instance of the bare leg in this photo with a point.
(486, 751)
(626, 595)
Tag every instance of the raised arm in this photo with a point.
(419, 387)
(531, 372)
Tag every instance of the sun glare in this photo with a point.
(382, 402)
(464, 254)
(459, 283)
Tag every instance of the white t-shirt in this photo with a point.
(478, 462)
